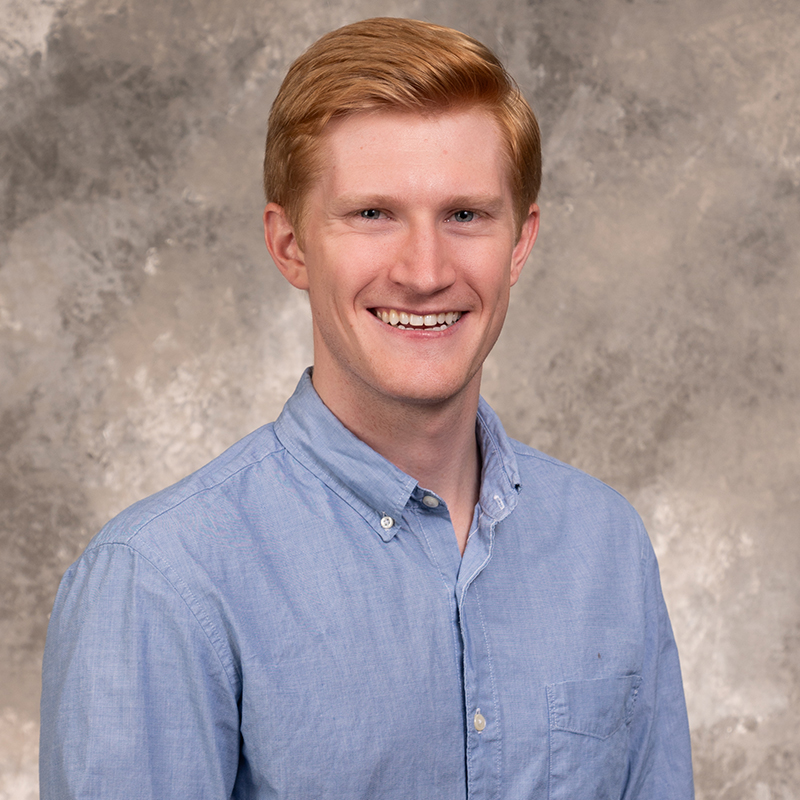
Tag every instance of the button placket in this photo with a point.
(484, 732)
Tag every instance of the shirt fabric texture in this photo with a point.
(295, 620)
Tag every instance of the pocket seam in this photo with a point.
(635, 682)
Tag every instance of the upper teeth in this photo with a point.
(402, 319)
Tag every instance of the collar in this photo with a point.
(375, 487)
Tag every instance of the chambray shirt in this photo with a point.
(295, 621)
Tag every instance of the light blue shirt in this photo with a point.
(295, 621)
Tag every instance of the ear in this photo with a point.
(524, 245)
(284, 246)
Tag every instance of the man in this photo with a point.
(380, 595)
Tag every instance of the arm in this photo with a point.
(661, 759)
(136, 700)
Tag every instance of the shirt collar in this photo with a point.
(375, 487)
(500, 479)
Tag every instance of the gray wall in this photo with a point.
(653, 339)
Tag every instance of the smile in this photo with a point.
(429, 322)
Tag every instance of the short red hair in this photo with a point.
(393, 64)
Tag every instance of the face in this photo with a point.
(408, 254)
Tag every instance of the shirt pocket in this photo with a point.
(589, 728)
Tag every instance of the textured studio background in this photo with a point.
(654, 338)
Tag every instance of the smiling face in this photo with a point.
(408, 253)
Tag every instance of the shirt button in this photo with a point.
(430, 501)
(479, 721)
(386, 522)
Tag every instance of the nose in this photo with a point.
(422, 263)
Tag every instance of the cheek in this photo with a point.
(491, 277)
(347, 266)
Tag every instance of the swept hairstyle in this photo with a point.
(400, 65)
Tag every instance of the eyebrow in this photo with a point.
(490, 203)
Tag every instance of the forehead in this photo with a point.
(411, 151)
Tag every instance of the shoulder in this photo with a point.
(549, 473)
(170, 553)
(202, 497)
(574, 500)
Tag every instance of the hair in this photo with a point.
(399, 65)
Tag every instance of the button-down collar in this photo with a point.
(370, 483)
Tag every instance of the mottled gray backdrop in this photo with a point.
(654, 338)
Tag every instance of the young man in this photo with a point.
(380, 595)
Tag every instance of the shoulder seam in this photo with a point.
(139, 528)
(526, 451)
(194, 612)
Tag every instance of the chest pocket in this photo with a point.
(589, 730)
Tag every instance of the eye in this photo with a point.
(464, 215)
(370, 213)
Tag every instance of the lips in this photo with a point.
(430, 322)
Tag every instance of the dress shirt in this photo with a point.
(294, 620)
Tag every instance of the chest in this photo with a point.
(376, 665)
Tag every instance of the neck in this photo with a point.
(434, 443)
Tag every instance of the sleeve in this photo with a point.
(661, 759)
(136, 700)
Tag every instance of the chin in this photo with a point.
(422, 391)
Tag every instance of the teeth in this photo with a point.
(401, 319)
